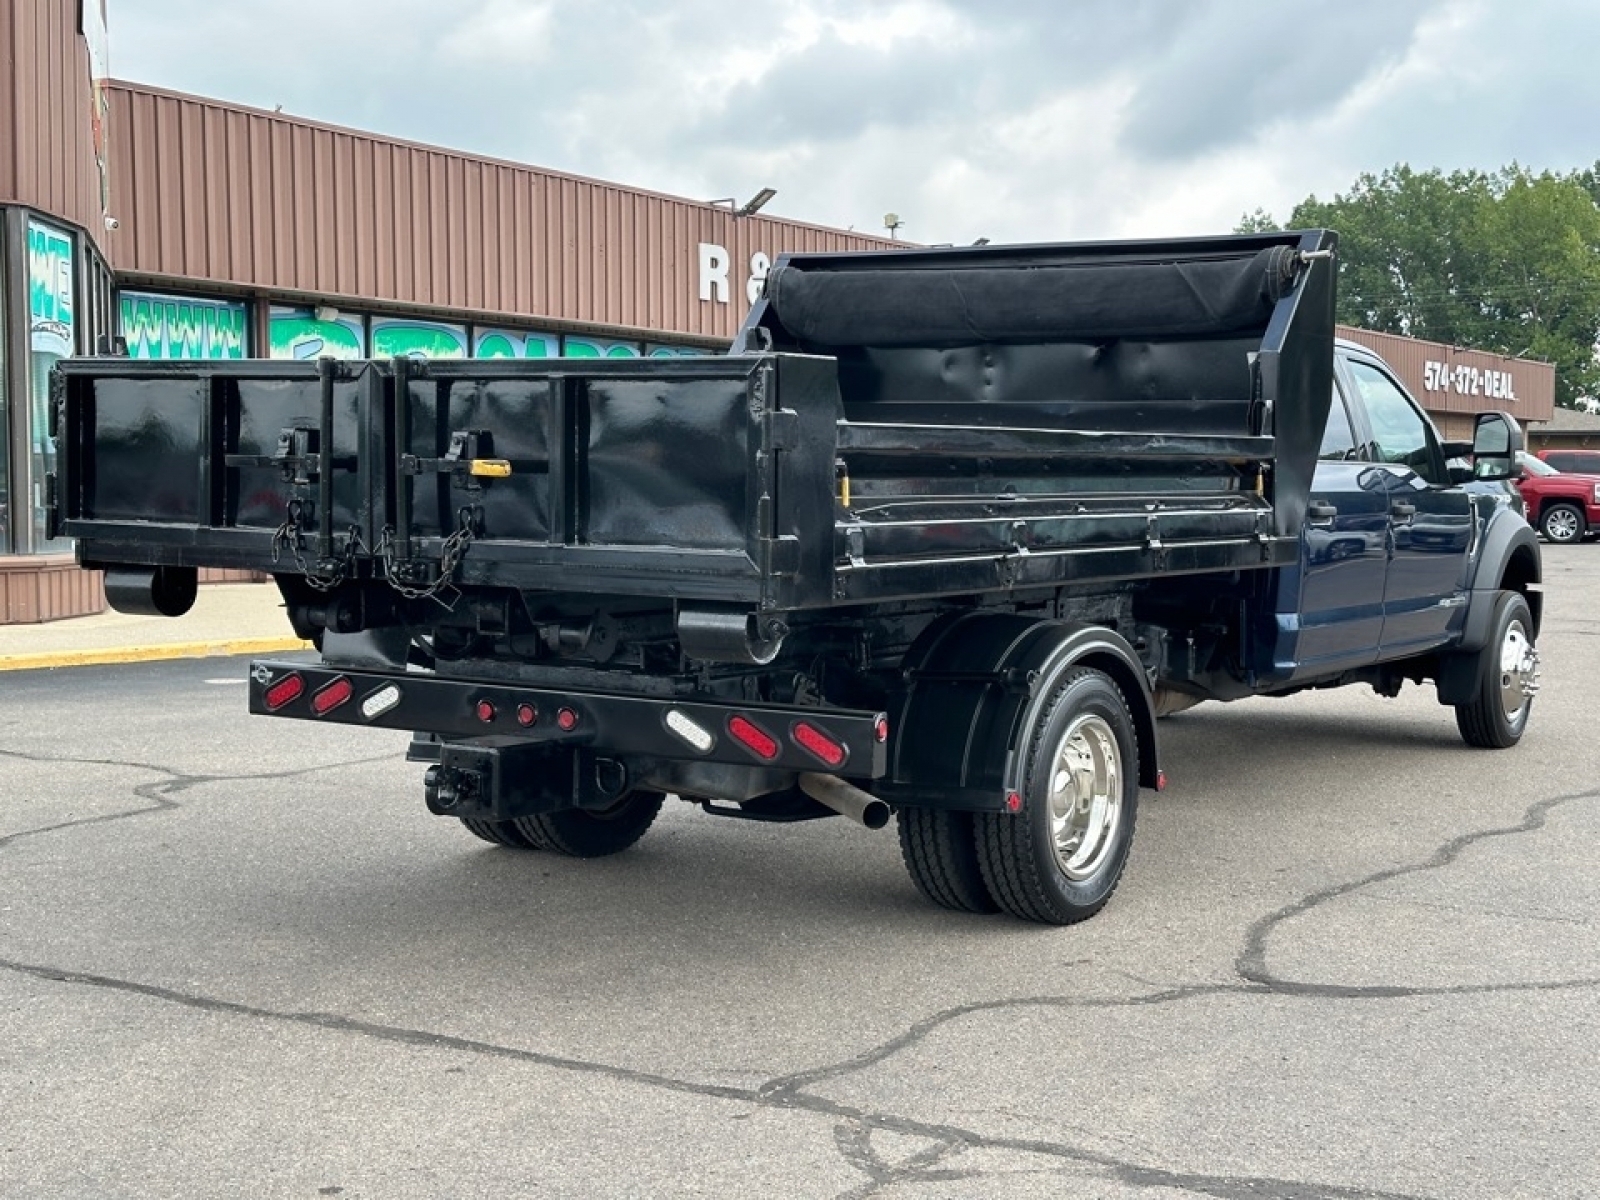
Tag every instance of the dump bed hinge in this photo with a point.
(780, 429)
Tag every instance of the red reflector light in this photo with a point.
(331, 696)
(880, 730)
(1013, 802)
(485, 711)
(1161, 781)
(527, 714)
(286, 689)
(753, 738)
(824, 747)
(567, 720)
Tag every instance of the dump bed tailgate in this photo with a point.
(681, 478)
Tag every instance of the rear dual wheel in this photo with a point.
(1059, 859)
(576, 832)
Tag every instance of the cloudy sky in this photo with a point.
(1019, 120)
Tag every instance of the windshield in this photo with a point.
(1534, 466)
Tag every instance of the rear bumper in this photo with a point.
(782, 738)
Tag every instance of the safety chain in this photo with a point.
(291, 535)
(451, 553)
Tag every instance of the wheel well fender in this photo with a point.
(1508, 559)
(973, 684)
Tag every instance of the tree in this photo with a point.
(1507, 262)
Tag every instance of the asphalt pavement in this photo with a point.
(1350, 957)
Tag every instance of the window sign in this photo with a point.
(674, 351)
(514, 343)
(52, 336)
(403, 337)
(589, 348)
(157, 326)
(298, 333)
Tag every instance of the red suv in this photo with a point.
(1562, 506)
(1573, 462)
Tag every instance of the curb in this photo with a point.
(49, 659)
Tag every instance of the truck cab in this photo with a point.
(1391, 535)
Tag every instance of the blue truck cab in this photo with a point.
(1396, 553)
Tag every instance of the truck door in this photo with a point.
(1343, 559)
(1429, 520)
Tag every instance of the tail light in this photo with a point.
(753, 738)
(331, 696)
(286, 689)
(810, 738)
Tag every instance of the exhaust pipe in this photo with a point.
(845, 799)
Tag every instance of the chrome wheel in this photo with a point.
(1085, 797)
(1519, 671)
(1563, 524)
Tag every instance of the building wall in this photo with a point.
(213, 193)
(1454, 385)
(47, 146)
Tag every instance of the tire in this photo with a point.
(593, 833)
(941, 855)
(1562, 523)
(1507, 676)
(500, 833)
(1059, 864)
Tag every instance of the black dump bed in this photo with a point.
(889, 425)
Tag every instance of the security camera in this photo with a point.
(113, 223)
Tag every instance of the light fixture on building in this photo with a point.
(892, 222)
(755, 203)
(325, 312)
(981, 242)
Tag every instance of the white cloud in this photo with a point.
(1019, 120)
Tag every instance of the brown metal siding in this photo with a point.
(40, 587)
(46, 133)
(1532, 383)
(214, 193)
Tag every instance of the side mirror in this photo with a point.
(1496, 442)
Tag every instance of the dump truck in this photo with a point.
(938, 541)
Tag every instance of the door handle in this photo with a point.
(1320, 513)
(1404, 510)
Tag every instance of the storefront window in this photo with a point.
(52, 336)
(590, 348)
(514, 343)
(165, 327)
(5, 412)
(405, 337)
(315, 333)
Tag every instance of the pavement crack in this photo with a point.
(1251, 965)
(157, 793)
(853, 1126)
(785, 1088)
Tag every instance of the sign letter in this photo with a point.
(713, 272)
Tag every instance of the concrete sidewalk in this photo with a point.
(227, 618)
